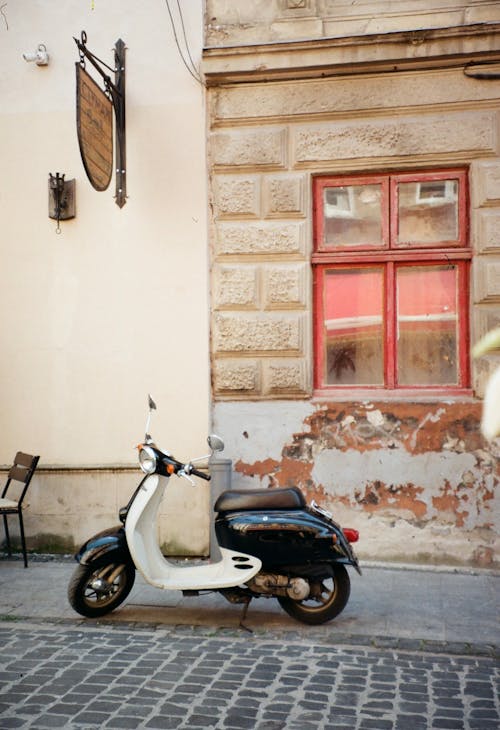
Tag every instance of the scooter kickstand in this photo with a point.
(244, 615)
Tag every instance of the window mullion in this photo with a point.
(319, 335)
(463, 329)
(390, 326)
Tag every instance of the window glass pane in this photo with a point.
(352, 215)
(428, 211)
(353, 326)
(427, 323)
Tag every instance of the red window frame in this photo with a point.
(321, 183)
(390, 255)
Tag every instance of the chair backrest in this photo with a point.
(21, 471)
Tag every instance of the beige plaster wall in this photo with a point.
(66, 506)
(116, 305)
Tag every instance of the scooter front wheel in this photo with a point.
(97, 589)
(327, 598)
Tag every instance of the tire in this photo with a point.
(327, 599)
(91, 602)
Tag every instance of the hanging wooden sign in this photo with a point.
(95, 111)
(94, 121)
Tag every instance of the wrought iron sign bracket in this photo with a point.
(116, 92)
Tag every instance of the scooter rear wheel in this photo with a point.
(327, 599)
(97, 589)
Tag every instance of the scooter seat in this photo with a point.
(240, 500)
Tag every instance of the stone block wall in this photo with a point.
(232, 22)
(260, 280)
(267, 141)
(485, 237)
(413, 474)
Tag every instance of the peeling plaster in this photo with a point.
(421, 467)
(394, 479)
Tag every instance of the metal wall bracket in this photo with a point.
(61, 199)
(119, 106)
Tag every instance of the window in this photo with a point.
(390, 263)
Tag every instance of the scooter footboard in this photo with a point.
(235, 568)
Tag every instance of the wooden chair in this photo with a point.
(21, 471)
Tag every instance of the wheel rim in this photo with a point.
(104, 586)
(323, 593)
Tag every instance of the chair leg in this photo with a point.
(23, 540)
(7, 536)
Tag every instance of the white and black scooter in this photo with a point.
(271, 544)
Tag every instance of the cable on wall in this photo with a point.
(189, 64)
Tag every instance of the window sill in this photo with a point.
(418, 395)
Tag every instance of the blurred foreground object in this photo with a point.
(490, 425)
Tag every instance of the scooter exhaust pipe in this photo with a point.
(280, 585)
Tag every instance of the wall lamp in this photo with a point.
(61, 199)
(40, 56)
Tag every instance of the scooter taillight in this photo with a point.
(351, 534)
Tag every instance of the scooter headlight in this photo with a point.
(147, 460)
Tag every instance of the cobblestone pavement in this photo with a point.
(85, 677)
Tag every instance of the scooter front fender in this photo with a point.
(112, 540)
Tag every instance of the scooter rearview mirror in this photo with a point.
(152, 407)
(215, 442)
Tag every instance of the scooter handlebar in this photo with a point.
(187, 469)
(201, 474)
